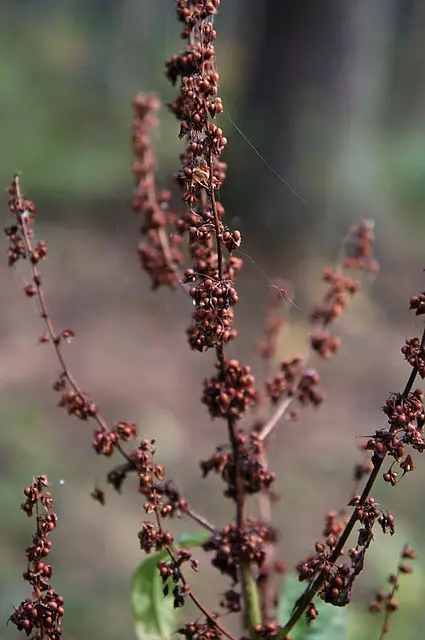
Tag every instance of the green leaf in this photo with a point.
(330, 624)
(153, 613)
(193, 539)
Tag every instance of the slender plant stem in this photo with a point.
(203, 522)
(277, 415)
(388, 611)
(22, 216)
(250, 595)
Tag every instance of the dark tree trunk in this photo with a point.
(295, 53)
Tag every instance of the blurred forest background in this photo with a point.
(328, 97)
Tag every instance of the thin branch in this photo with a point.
(249, 587)
(388, 610)
(203, 522)
(231, 422)
(317, 583)
(22, 218)
(277, 415)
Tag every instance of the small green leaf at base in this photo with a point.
(192, 538)
(330, 624)
(154, 615)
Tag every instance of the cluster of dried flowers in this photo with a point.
(200, 177)
(256, 477)
(159, 256)
(40, 617)
(338, 579)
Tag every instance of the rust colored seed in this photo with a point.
(405, 568)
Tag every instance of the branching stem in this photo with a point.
(317, 583)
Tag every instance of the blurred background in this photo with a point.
(324, 113)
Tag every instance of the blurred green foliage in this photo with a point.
(155, 617)
(68, 77)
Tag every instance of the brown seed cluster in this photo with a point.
(285, 381)
(357, 255)
(172, 571)
(201, 176)
(324, 343)
(231, 546)
(334, 525)
(151, 537)
(418, 304)
(358, 247)
(202, 230)
(213, 317)
(76, 404)
(21, 231)
(369, 513)
(105, 442)
(406, 417)
(172, 499)
(148, 473)
(338, 579)
(40, 617)
(255, 475)
(405, 413)
(160, 255)
(171, 502)
(414, 353)
(231, 392)
(269, 631)
(203, 629)
(293, 381)
(341, 289)
(151, 481)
